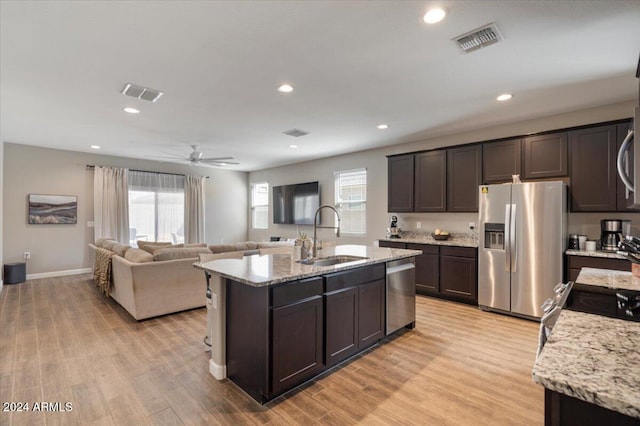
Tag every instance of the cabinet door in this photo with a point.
(545, 156)
(400, 184)
(593, 169)
(464, 167)
(370, 313)
(501, 160)
(341, 320)
(427, 268)
(430, 181)
(297, 343)
(458, 278)
(622, 203)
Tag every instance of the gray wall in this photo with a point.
(376, 164)
(54, 248)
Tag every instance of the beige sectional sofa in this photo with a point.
(160, 279)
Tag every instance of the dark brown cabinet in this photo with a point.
(545, 156)
(459, 273)
(430, 181)
(464, 167)
(392, 244)
(575, 263)
(427, 268)
(501, 160)
(593, 169)
(297, 343)
(621, 202)
(354, 306)
(400, 183)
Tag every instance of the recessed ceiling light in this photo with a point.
(285, 88)
(504, 97)
(95, 147)
(383, 126)
(293, 146)
(435, 15)
(132, 110)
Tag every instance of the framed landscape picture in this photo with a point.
(53, 209)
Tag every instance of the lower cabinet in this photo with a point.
(449, 272)
(459, 273)
(297, 339)
(575, 263)
(280, 336)
(354, 306)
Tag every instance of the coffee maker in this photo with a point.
(611, 234)
(393, 230)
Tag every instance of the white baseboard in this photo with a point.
(218, 371)
(59, 273)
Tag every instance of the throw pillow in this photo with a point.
(171, 253)
(101, 241)
(137, 255)
(151, 246)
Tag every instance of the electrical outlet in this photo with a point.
(472, 225)
(27, 255)
(418, 225)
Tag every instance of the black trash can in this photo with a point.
(15, 273)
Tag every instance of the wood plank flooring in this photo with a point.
(62, 341)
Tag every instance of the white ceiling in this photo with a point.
(354, 65)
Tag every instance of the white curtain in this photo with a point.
(157, 206)
(111, 204)
(194, 209)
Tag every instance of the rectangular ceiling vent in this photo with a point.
(141, 92)
(479, 38)
(296, 133)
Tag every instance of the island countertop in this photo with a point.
(595, 359)
(269, 269)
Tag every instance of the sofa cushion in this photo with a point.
(173, 253)
(190, 245)
(116, 247)
(224, 248)
(272, 244)
(151, 246)
(100, 241)
(137, 255)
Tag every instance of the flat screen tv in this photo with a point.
(296, 204)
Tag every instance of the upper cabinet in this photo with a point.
(464, 174)
(593, 169)
(545, 156)
(400, 183)
(430, 181)
(501, 160)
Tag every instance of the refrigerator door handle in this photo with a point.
(507, 237)
(512, 239)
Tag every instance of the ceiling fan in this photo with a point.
(197, 158)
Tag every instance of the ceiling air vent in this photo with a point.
(478, 38)
(141, 92)
(296, 133)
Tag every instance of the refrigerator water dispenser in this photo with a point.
(494, 236)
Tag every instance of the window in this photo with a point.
(156, 207)
(260, 205)
(351, 201)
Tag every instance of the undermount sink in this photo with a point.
(335, 260)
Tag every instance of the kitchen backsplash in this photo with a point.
(578, 223)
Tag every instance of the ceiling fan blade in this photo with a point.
(218, 163)
(216, 159)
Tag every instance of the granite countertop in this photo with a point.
(597, 253)
(616, 280)
(455, 239)
(595, 359)
(260, 271)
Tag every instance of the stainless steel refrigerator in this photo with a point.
(522, 239)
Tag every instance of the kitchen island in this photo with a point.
(284, 322)
(590, 365)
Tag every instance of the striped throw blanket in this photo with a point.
(102, 270)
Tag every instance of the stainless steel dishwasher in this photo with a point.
(401, 294)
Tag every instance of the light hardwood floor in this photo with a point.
(62, 341)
